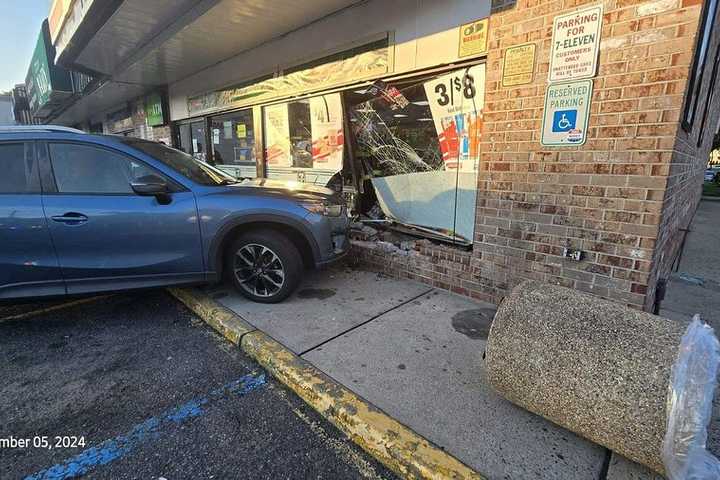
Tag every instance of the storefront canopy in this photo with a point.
(144, 44)
(163, 41)
(107, 96)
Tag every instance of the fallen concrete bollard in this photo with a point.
(604, 371)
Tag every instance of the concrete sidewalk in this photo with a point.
(693, 288)
(416, 353)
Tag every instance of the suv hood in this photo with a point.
(288, 189)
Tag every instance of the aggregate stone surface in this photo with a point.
(593, 366)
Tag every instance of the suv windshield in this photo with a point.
(181, 162)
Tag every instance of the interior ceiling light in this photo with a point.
(424, 119)
(421, 103)
(399, 115)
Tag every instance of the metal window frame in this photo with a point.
(696, 78)
(710, 97)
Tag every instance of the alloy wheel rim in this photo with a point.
(259, 270)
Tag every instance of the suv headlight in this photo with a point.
(321, 208)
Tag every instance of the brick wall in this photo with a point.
(690, 156)
(436, 265)
(606, 197)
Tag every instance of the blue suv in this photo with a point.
(86, 213)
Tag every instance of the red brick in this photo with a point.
(637, 168)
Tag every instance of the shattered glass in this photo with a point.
(421, 177)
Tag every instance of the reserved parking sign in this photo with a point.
(567, 109)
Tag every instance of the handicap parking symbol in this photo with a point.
(564, 120)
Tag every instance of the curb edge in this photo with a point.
(225, 321)
(399, 448)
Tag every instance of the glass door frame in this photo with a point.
(177, 139)
(258, 148)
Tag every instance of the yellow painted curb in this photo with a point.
(392, 443)
(222, 319)
(34, 313)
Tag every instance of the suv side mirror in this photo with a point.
(152, 186)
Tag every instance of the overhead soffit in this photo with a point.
(133, 24)
(170, 51)
(106, 97)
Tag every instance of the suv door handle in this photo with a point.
(70, 218)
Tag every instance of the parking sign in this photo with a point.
(567, 109)
(575, 44)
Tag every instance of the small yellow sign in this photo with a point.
(519, 65)
(473, 38)
(241, 130)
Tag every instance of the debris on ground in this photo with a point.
(360, 231)
(375, 213)
(407, 245)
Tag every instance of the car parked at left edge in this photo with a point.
(83, 213)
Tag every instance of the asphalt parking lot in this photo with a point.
(135, 386)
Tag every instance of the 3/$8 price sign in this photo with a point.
(456, 91)
(446, 92)
(456, 101)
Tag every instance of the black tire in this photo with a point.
(253, 263)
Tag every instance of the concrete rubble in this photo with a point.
(360, 231)
(386, 240)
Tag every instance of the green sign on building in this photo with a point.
(153, 110)
(44, 79)
(38, 79)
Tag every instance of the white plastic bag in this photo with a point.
(692, 385)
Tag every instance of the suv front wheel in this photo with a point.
(265, 266)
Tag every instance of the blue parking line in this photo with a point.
(116, 448)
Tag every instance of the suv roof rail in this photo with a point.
(38, 128)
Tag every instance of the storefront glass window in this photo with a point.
(198, 140)
(185, 141)
(192, 139)
(419, 142)
(304, 139)
(233, 143)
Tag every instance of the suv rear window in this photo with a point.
(18, 168)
